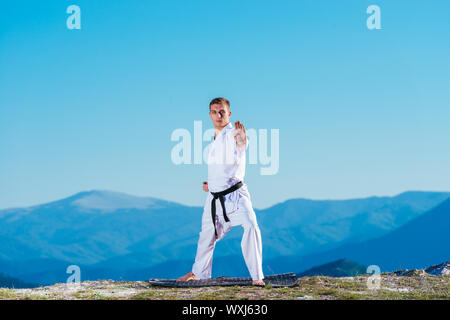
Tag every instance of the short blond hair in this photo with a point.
(220, 100)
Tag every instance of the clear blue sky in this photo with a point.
(360, 112)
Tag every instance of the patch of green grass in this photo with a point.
(327, 292)
(89, 295)
(145, 295)
(6, 293)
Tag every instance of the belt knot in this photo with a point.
(221, 196)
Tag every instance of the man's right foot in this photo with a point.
(258, 283)
(188, 277)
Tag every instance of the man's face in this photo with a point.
(220, 115)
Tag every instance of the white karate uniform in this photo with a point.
(226, 167)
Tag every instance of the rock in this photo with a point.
(409, 273)
(439, 269)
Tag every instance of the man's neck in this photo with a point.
(218, 129)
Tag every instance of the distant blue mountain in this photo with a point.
(118, 235)
(10, 282)
(419, 243)
(318, 225)
(338, 268)
(90, 226)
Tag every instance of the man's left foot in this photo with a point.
(258, 283)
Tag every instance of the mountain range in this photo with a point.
(420, 242)
(116, 235)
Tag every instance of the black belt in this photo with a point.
(220, 195)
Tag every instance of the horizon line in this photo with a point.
(186, 205)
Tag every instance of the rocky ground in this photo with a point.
(430, 283)
(415, 284)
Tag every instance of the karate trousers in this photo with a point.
(240, 213)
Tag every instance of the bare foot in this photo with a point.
(188, 277)
(258, 283)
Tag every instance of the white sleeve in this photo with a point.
(232, 148)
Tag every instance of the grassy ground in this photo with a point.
(318, 287)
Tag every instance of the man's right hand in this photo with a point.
(205, 186)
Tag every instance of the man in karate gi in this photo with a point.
(226, 170)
